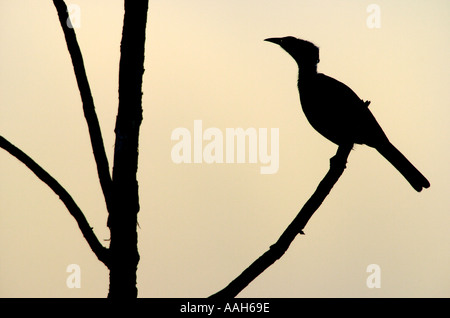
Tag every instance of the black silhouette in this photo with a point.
(121, 189)
(338, 114)
(277, 250)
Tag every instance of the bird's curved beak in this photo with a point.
(274, 40)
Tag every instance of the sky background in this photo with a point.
(201, 225)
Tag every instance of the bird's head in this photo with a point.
(303, 52)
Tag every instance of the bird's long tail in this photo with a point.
(399, 161)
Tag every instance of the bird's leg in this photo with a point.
(340, 158)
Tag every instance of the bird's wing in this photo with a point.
(350, 112)
(340, 94)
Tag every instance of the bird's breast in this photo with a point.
(324, 114)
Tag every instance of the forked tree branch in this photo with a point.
(88, 103)
(337, 166)
(100, 251)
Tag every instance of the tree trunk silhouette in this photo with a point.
(121, 190)
(337, 166)
(122, 219)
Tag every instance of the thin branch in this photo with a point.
(337, 166)
(100, 251)
(88, 103)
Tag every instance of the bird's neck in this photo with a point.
(306, 72)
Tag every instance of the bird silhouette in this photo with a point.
(337, 113)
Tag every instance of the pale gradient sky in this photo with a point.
(202, 224)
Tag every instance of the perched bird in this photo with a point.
(337, 113)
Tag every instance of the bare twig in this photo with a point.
(337, 166)
(100, 251)
(88, 103)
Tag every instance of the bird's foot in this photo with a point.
(339, 160)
